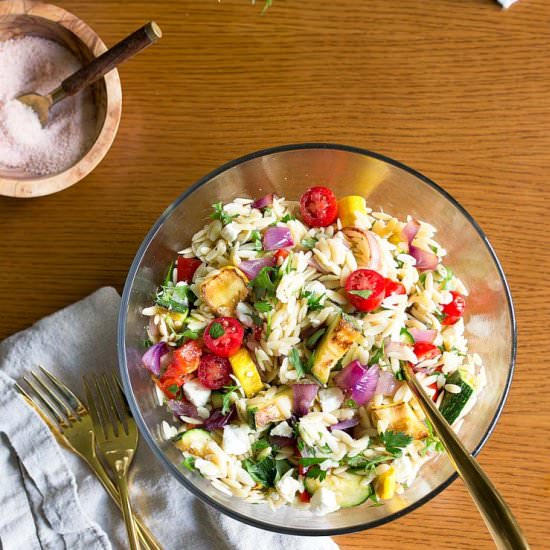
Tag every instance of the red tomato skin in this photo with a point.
(186, 267)
(304, 496)
(186, 358)
(366, 279)
(230, 342)
(166, 382)
(437, 391)
(281, 255)
(257, 333)
(393, 287)
(424, 351)
(319, 207)
(454, 310)
(214, 371)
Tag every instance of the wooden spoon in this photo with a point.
(126, 48)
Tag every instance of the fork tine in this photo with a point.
(115, 412)
(96, 422)
(121, 393)
(60, 419)
(107, 421)
(53, 397)
(72, 399)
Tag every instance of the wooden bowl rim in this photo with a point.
(46, 185)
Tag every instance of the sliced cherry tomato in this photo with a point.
(424, 351)
(257, 333)
(304, 496)
(393, 287)
(224, 336)
(454, 310)
(281, 255)
(169, 385)
(214, 371)
(186, 267)
(365, 289)
(319, 207)
(186, 358)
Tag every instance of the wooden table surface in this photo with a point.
(459, 90)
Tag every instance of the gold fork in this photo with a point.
(69, 421)
(117, 438)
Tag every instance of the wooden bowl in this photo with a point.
(24, 17)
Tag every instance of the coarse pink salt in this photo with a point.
(32, 64)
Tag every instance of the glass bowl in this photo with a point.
(387, 184)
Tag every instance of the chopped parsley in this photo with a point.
(315, 337)
(175, 297)
(226, 399)
(257, 240)
(431, 442)
(395, 442)
(316, 473)
(264, 284)
(260, 445)
(287, 218)
(191, 334)
(267, 471)
(313, 300)
(377, 354)
(189, 463)
(146, 343)
(422, 279)
(361, 463)
(361, 293)
(447, 279)
(296, 362)
(351, 403)
(309, 242)
(312, 460)
(220, 214)
(216, 330)
(173, 388)
(263, 307)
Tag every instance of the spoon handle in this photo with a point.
(495, 512)
(126, 48)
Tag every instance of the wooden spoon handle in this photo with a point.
(126, 48)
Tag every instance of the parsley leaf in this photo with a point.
(257, 240)
(395, 442)
(361, 293)
(311, 460)
(226, 399)
(447, 279)
(263, 285)
(315, 337)
(216, 330)
(376, 355)
(266, 472)
(263, 307)
(287, 218)
(189, 463)
(191, 334)
(351, 403)
(260, 445)
(220, 214)
(309, 242)
(296, 362)
(313, 300)
(317, 473)
(146, 343)
(175, 298)
(422, 279)
(366, 464)
(309, 365)
(173, 388)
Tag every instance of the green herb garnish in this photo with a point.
(264, 285)
(313, 300)
(309, 242)
(316, 473)
(361, 293)
(315, 337)
(408, 336)
(351, 403)
(216, 330)
(263, 307)
(395, 442)
(189, 463)
(259, 445)
(287, 218)
(220, 214)
(226, 398)
(311, 460)
(257, 240)
(296, 362)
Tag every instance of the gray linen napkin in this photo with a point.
(50, 499)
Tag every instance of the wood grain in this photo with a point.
(458, 90)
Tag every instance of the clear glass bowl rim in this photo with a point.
(122, 349)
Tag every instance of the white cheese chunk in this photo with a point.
(235, 439)
(196, 393)
(323, 502)
(282, 429)
(287, 486)
(206, 468)
(331, 399)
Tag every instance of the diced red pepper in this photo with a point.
(186, 268)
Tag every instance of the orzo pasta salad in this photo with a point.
(278, 339)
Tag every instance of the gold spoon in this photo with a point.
(495, 512)
(126, 48)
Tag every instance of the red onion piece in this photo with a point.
(386, 383)
(425, 261)
(392, 347)
(358, 381)
(151, 358)
(251, 268)
(277, 237)
(183, 408)
(282, 441)
(344, 424)
(423, 335)
(218, 420)
(375, 255)
(303, 396)
(410, 230)
(266, 200)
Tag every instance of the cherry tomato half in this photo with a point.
(214, 371)
(304, 496)
(365, 289)
(185, 359)
(170, 385)
(454, 310)
(281, 255)
(224, 336)
(319, 207)
(437, 391)
(393, 287)
(186, 267)
(424, 351)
